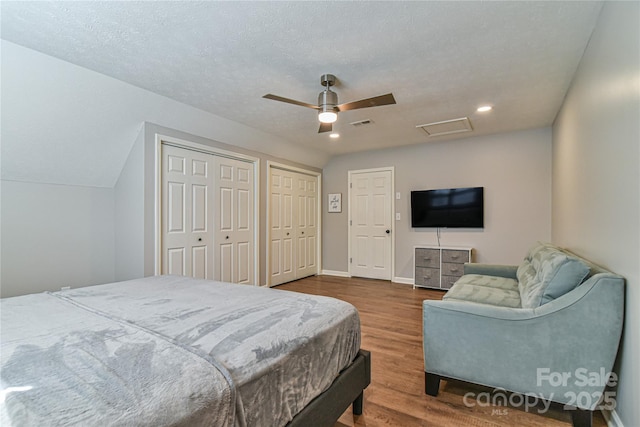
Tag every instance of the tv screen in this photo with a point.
(452, 208)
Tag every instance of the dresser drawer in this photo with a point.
(448, 281)
(438, 267)
(452, 269)
(452, 255)
(427, 277)
(427, 258)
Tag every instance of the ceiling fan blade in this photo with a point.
(290, 101)
(325, 127)
(376, 101)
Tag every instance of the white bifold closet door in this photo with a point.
(293, 225)
(207, 216)
(233, 230)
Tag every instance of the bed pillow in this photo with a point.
(548, 273)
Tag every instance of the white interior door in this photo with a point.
(186, 213)
(233, 231)
(293, 225)
(370, 208)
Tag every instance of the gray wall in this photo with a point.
(596, 178)
(64, 235)
(129, 214)
(514, 168)
(54, 236)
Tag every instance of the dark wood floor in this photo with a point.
(391, 317)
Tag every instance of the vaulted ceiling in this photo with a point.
(441, 60)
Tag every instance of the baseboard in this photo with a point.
(335, 273)
(403, 280)
(612, 418)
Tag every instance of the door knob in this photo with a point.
(227, 237)
(199, 239)
(387, 231)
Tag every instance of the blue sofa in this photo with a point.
(548, 328)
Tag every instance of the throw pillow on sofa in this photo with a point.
(548, 273)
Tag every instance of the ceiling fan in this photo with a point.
(328, 107)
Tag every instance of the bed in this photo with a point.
(170, 350)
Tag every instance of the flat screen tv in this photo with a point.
(451, 208)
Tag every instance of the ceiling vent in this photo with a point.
(362, 122)
(447, 127)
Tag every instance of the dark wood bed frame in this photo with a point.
(348, 388)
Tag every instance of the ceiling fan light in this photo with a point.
(327, 117)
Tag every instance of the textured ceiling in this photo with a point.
(441, 60)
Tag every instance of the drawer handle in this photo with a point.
(427, 259)
(454, 256)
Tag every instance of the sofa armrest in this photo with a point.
(517, 349)
(508, 271)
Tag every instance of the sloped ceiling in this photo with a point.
(441, 60)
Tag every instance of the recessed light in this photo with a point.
(484, 108)
(334, 135)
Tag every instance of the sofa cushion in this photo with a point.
(548, 273)
(492, 290)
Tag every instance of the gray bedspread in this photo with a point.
(170, 350)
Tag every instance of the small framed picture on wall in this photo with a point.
(335, 202)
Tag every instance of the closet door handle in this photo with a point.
(227, 237)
